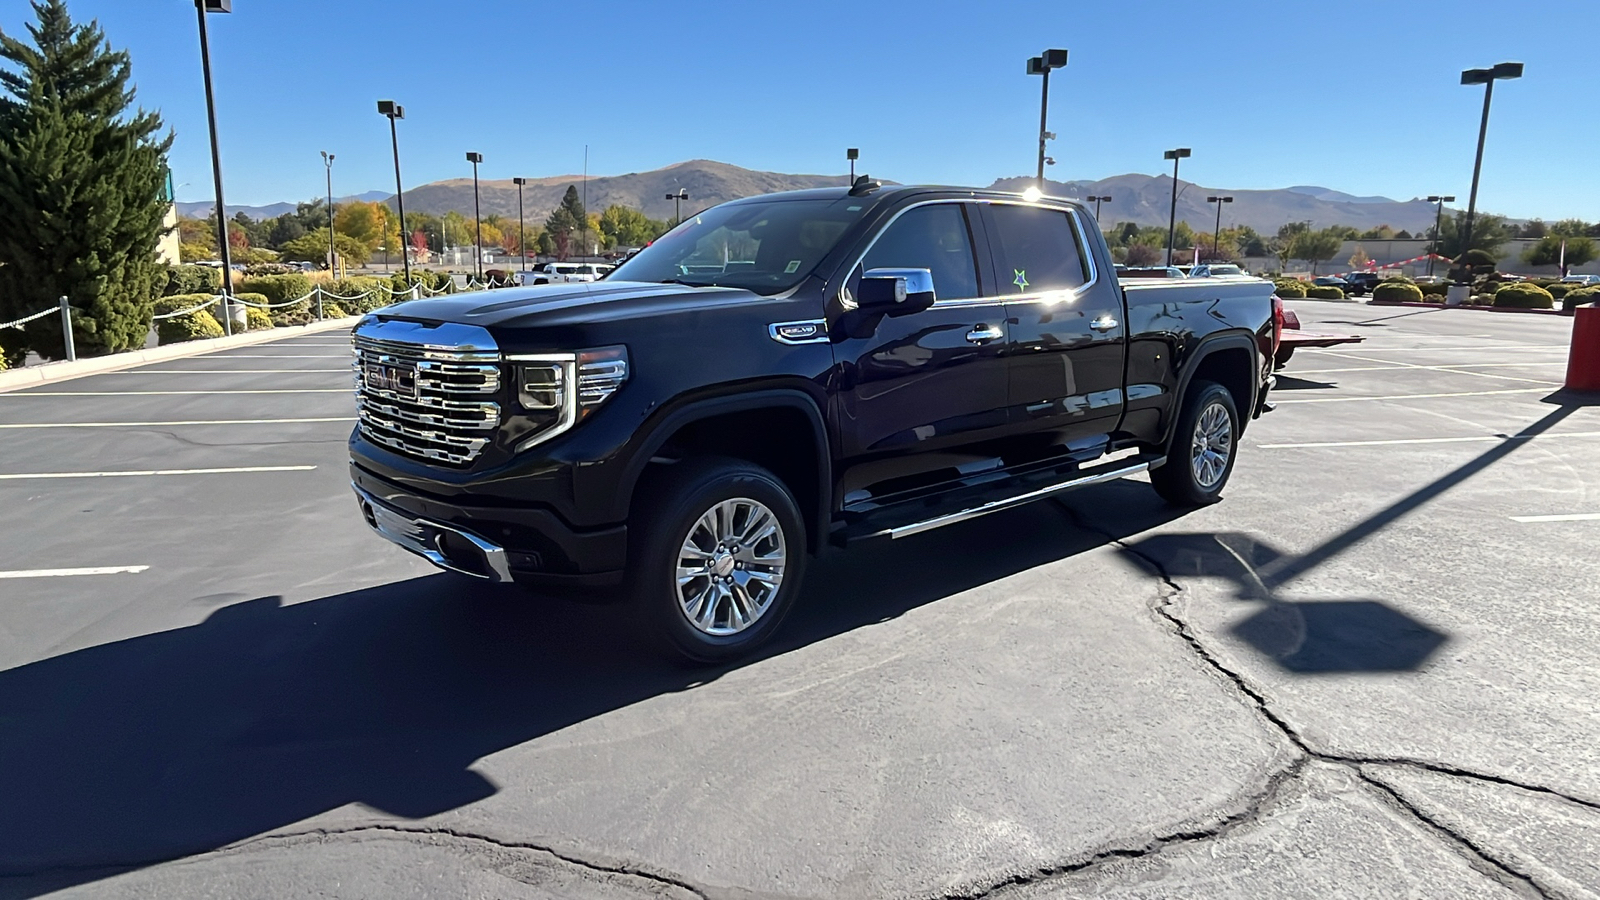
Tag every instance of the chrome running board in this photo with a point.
(994, 506)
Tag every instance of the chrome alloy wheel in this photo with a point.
(730, 567)
(1213, 445)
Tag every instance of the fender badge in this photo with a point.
(808, 332)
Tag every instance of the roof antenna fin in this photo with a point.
(864, 186)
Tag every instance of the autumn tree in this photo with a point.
(83, 180)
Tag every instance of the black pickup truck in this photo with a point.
(788, 373)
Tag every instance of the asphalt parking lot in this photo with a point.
(1370, 671)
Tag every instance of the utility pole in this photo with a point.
(395, 111)
(1438, 226)
(1487, 78)
(1216, 234)
(327, 162)
(522, 239)
(203, 7)
(1172, 222)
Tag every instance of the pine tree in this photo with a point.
(82, 188)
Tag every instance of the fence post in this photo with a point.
(66, 330)
(319, 303)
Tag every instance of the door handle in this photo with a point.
(982, 334)
(1104, 324)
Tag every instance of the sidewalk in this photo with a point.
(48, 373)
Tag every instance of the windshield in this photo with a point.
(765, 247)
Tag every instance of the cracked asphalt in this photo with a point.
(1369, 672)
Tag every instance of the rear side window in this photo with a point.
(1036, 250)
(935, 238)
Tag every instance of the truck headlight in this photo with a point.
(564, 388)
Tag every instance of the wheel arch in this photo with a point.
(805, 468)
(1229, 358)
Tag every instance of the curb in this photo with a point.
(1494, 309)
(49, 373)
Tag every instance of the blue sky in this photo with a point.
(1361, 96)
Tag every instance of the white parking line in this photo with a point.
(1398, 366)
(1480, 439)
(21, 476)
(1454, 370)
(345, 369)
(57, 573)
(1570, 517)
(1337, 351)
(167, 424)
(283, 355)
(175, 393)
(1543, 390)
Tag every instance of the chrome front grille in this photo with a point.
(455, 370)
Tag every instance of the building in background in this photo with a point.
(169, 250)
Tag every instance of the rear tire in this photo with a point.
(1204, 446)
(719, 551)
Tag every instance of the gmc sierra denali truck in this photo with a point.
(788, 373)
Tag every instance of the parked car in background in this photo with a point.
(1218, 270)
(567, 273)
(1581, 279)
(1358, 283)
(1152, 272)
(1332, 281)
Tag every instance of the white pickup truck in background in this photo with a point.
(566, 273)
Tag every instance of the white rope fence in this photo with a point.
(185, 312)
(23, 321)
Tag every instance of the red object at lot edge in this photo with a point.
(1583, 361)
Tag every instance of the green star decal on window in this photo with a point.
(1021, 281)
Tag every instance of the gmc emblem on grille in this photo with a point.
(401, 380)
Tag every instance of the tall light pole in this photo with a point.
(1438, 225)
(1041, 65)
(522, 240)
(1216, 234)
(202, 7)
(327, 163)
(477, 212)
(1487, 78)
(677, 211)
(1097, 201)
(1172, 222)
(852, 154)
(395, 111)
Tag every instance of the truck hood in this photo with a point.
(562, 304)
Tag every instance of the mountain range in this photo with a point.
(1143, 199)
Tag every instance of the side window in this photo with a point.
(935, 238)
(1036, 250)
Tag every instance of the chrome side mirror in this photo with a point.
(896, 291)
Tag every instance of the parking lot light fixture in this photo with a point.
(677, 210)
(1216, 234)
(395, 111)
(852, 154)
(1438, 224)
(477, 212)
(1042, 65)
(202, 7)
(1172, 221)
(1097, 201)
(1487, 78)
(522, 240)
(327, 163)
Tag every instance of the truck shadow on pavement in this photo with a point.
(179, 742)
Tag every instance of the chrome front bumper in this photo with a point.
(444, 546)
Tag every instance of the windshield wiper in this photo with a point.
(684, 283)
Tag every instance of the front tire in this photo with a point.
(720, 557)
(1203, 448)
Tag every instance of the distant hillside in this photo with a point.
(1136, 198)
(707, 182)
(1146, 199)
(200, 209)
